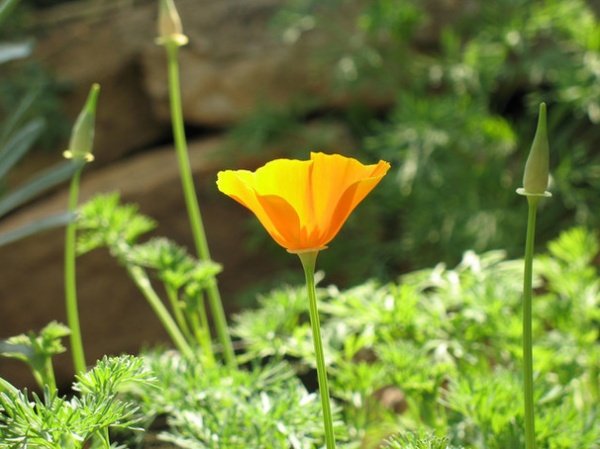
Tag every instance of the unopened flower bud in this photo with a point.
(535, 178)
(169, 25)
(82, 136)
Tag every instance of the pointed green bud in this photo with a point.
(82, 136)
(535, 178)
(170, 30)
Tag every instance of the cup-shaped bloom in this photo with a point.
(535, 177)
(82, 135)
(303, 204)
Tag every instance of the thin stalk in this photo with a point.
(308, 260)
(70, 281)
(191, 201)
(140, 278)
(594, 376)
(527, 331)
(45, 376)
(203, 316)
(176, 307)
(104, 438)
(201, 329)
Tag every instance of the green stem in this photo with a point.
(104, 437)
(176, 307)
(141, 280)
(202, 328)
(309, 259)
(191, 201)
(70, 281)
(594, 376)
(47, 375)
(527, 331)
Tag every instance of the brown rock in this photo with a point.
(81, 46)
(114, 316)
(233, 64)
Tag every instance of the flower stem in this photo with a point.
(70, 281)
(45, 377)
(177, 312)
(141, 280)
(527, 331)
(308, 260)
(202, 329)
(191, 201)
(103, 436)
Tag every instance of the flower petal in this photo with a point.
(276, 215)
(353, 195)
(286, 178)
(335, 183)
(284, 222)
(303, 204)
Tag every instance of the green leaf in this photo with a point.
(44, 224)
(174, 265)
(576, 246)
(18, 144)
(411, 440)
(16, 349)
(34, 349)
(6, 6)
(103, 221)
(261, 407)
(54, 422)
(43, 181)
(112, 374)
(10, 52)
(17, 114)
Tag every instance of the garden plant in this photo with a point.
(487, 350)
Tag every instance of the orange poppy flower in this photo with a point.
(303, 204)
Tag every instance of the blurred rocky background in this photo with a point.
(447, 90)
(234, 65)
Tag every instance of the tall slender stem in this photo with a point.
(202, 329)
(177, 312)
(527, 331)
(308, 260)
(191, 200)
(141, 280)
(70, 281)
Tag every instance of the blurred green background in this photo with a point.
(467, 88)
